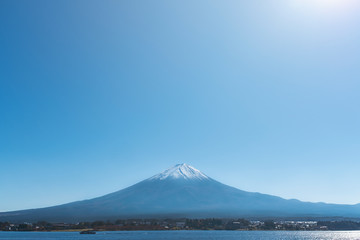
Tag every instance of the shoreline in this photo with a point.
(187, 230)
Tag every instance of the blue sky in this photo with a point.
(98, 95)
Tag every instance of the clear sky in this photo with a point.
(98, 95)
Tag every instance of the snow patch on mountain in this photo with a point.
(181, 171)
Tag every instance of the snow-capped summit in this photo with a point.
(181, 171)
(182, 192)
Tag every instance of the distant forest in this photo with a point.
(184, 224)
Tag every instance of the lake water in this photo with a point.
(182, 235)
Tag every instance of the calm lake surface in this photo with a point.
(182, 235)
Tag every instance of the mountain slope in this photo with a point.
(181, 191)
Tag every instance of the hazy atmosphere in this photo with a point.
(98, 95)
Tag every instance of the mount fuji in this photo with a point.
(181, 191)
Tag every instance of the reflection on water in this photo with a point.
(183, 235)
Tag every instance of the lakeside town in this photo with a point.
(184, 224)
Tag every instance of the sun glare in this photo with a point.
(329, 2)
(326, 6)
